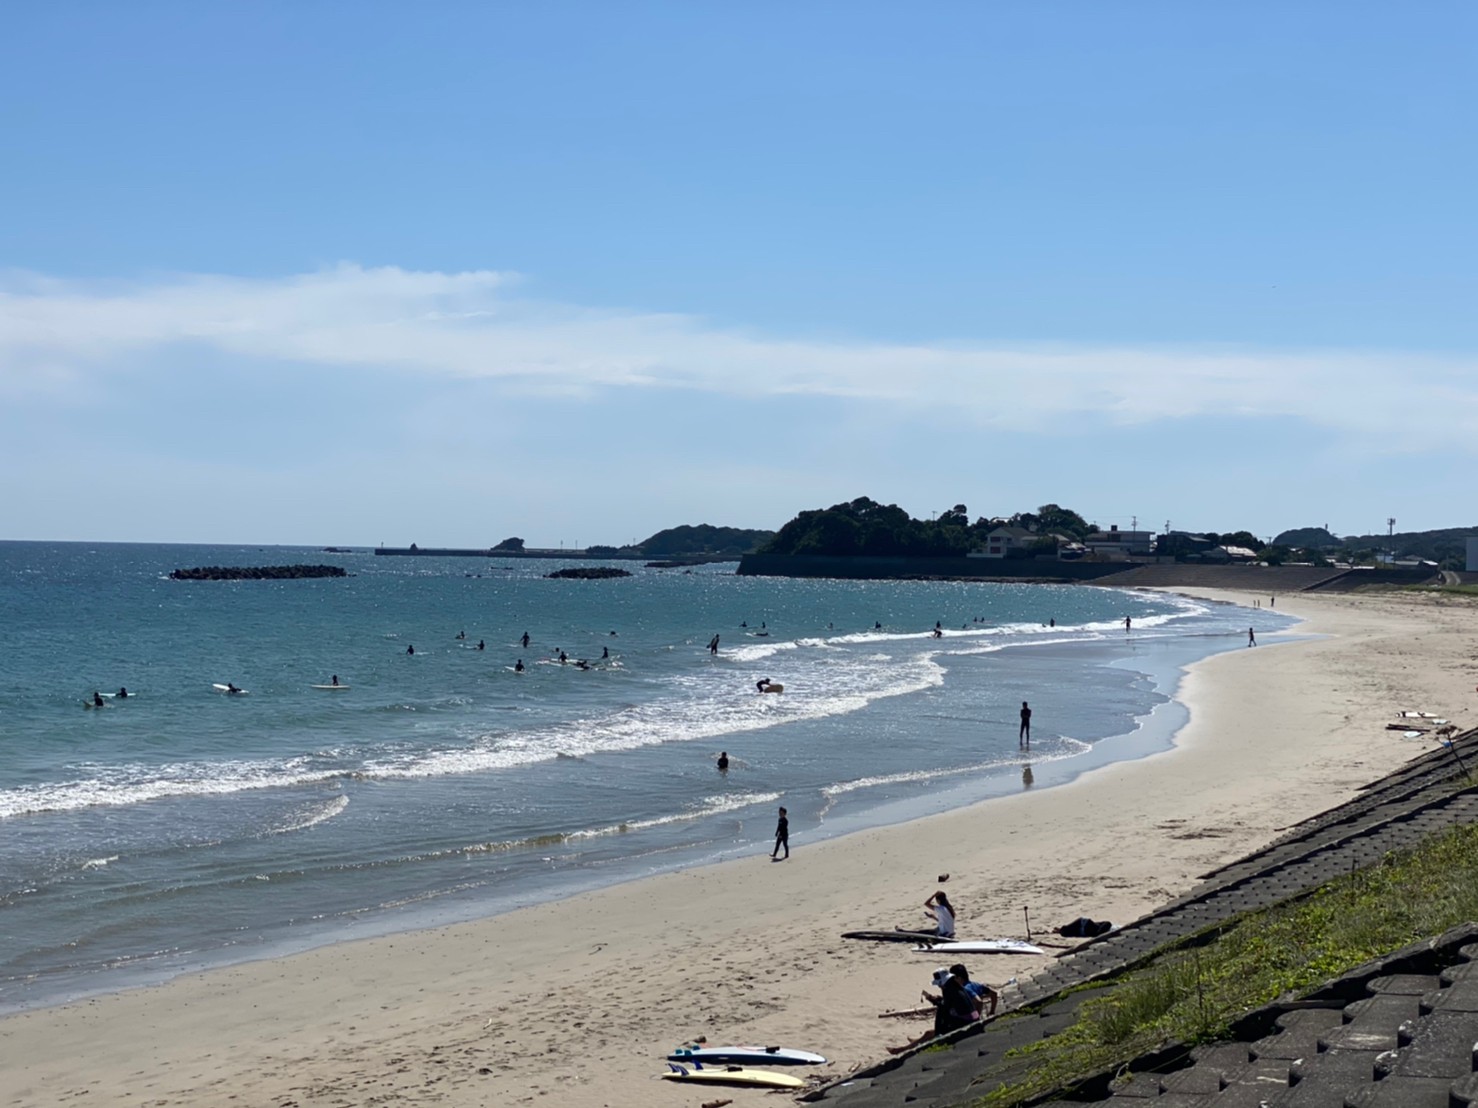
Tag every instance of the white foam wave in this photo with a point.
(1072, 747)
(99, 863)
(325, 812)
(706, 708)
(709, 806)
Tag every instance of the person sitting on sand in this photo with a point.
(954, 1007)
(939, 909)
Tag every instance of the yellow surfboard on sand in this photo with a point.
(732, 1075)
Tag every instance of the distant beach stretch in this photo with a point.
(1157, 821)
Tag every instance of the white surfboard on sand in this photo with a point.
(984, 946)
(746, 1056)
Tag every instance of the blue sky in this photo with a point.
(352, 273)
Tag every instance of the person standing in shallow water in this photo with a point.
(782, 837)
(1024, 736)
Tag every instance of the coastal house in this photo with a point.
(1114, 544)
(1223, 555)
(1006, 542)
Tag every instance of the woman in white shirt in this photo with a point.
(942, 911)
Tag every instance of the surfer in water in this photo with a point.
(525, 640)
(762, 684)
(713, 646)
(1024, 736)
(605, 652)
(481, 645)
(563, 657)
(231, 688)
(97, 699)
(1126, 625)
(461, 634)
(518, 666)
(334, 680)
(122, 693)
(723, 761)
(942, 912)
(410, 650)
(782, 837)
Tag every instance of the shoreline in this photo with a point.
(1161, 661)
(522, 1005)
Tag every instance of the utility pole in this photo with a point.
(1390, 539)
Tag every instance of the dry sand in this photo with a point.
(575, 1003)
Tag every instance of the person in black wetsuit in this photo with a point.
(1024, 736)
(525, 640)
(782, 836)
(97, 699)
(518, 666)
(123, 693)
(723, 761)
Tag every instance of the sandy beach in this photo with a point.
(576, 1003)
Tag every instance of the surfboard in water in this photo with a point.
(731, 1075)
(218, 687)
(329, 688)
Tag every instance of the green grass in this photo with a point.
(1192, 992)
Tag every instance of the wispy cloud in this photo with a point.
(55, 333)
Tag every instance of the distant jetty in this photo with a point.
(255, 573)
(589, 573)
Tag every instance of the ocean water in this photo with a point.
(181, 828)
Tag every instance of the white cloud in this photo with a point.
(55, 332)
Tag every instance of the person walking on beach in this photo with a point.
(782, 837)
(1024, 736)
(1251, 638)
(1126, 625)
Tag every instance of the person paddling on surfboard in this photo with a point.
(335, 679)
(518, 666)
(122, 692)
(97, 699)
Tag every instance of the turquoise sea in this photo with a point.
(181, 828)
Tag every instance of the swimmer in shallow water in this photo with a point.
(518, 666)
(723, 761)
